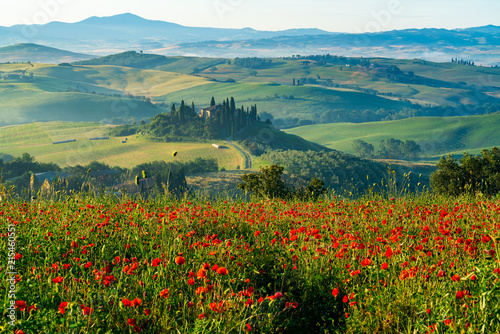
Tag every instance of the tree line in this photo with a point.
(468, 175)
(17, 175)
(388, 149)
(252, 63)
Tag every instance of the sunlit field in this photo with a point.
(103, 265)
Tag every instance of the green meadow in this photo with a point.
(437, 136)
(37, 138)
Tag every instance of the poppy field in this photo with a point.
(104, 265)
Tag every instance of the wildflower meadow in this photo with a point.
(426, 264)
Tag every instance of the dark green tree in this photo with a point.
(470, 175)
(269, 183)
(362, 148)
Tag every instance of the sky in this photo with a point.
(330, 15)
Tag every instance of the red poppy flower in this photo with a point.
(155, 262)
(388, 253)
(136, 302)
(335, 292)
(384, 266)
(126, 302)
(459, 294)
(201, 273)
(222, 271)
(455, 278)
(88, 265)
(165, 293)
(62, 307)
(147, 311)
(58, 280)
(345, 299)
(132, 322)
(366, 262)
(180, 260)
(87, 311)
(248, 328)
(21, 305)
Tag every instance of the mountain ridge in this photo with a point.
(111, 34)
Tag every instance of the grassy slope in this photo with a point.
(46, 98)
(307, 100)
(436, 136)
(37, 138)
(38, 53)
(283, 71)
(27, 101)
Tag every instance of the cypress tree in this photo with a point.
(232, 105)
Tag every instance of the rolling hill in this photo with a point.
(437, 136)
(296, 91)
(36, 53)
(37, 138)
(45, 92)
(421, 82)
(42, 92)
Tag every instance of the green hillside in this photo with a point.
(296, 91)
(186, 65)
(42, 92)
(36, 53)
(430, 83)
(37, 138)
(437, 136)
(304, 102)
(315, 89)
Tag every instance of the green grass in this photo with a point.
(436, 135)
(36, 139)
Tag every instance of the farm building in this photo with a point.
(210, 111)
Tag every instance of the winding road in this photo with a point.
(248, 159)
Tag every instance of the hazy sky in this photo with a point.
(330, 15)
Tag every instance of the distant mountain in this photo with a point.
(481, 44)
(128, 31)
(35, 53)
(124, 32)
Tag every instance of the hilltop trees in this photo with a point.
(388, 149)
(184, 124)
(253, 63)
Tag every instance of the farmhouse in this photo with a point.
(211, 111)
